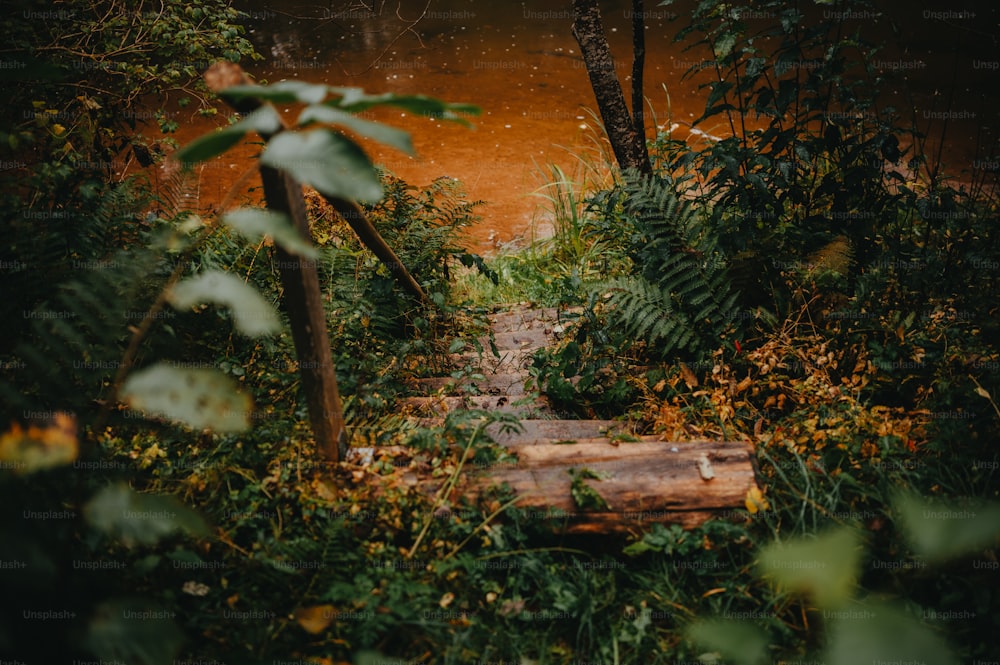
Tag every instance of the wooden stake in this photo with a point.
(302, 295)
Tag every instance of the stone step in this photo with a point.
(524, 406)
(511, 385)
(549, 431)
(523, 341)
(507, 386)
(546, 430)
(509, 362)
(525, 319)
(615, 437)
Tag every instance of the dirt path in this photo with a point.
(506, 384)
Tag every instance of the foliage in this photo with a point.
(677, 303)
(826, 568)
(84, 74)
(853, 375)
(681, 300)
(805, 159)
(175, 265)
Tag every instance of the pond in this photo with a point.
(521, 65)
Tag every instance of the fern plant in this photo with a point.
(681, 298)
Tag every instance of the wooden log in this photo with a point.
(643, 483)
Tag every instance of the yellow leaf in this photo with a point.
(446, 599)
(689, 377)
(756, 501)
(315, 619)
(712, 592)
(982, 392)
(39, 447)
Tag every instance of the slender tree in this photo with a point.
(638, 64)
(625, 130)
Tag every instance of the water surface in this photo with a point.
(521, 65)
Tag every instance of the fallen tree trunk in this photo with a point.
(641, 483)
(645, 482)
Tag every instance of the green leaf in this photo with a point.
(39, 573)
(133, 631)
(826, 567)
(939, 531)
(639, 547)
(348, 95)
(375, 658)
(256, 222)
(391, 136)
(211, 145)
(879, 633)
(253, 316)
(419, 104)
(734, 640)
(330, 162)
(142, 519)
(584, 496)
(724, 45)
(282, 92)
(264, 120)
(198, 398)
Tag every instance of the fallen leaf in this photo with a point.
(689, 377)
(315, 619)
(756, 501)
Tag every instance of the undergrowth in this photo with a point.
(855, 354)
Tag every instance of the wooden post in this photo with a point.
(222, 75)
(304, 303)
(302, 296)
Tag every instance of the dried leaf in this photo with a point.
(689, 377)
(38, 448)
(315, 619)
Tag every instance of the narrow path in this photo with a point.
(506, 384)
(628, 484)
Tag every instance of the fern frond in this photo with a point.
(75, 340)
(647, 312)
(683, 298)
(179, 190)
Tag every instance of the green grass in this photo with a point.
(570, 250)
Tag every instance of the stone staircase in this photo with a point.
(503, 382)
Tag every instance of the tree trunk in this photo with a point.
(627, 141)
(638, 64)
